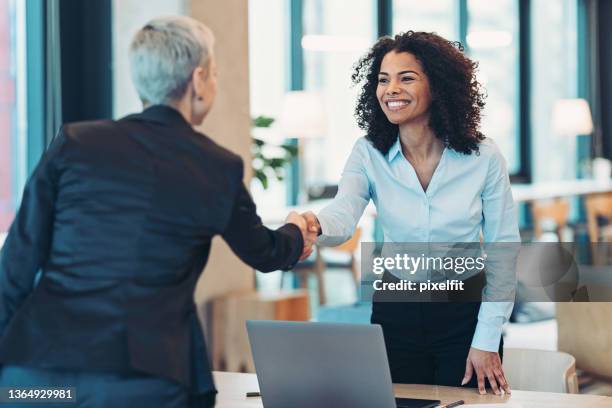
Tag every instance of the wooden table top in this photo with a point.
(234, 386)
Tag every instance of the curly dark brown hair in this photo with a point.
(457, 97)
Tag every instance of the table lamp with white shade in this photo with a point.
(302, 117)
(572, 117)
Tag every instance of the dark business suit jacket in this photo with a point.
(118, 217)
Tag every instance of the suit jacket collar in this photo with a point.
(163, 114)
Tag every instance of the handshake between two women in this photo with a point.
(309, 225)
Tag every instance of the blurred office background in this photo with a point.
(546, 66)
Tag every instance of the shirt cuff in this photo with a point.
(487, 336)
(328, 236)
(325, 228)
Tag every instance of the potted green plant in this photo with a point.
(269, 160)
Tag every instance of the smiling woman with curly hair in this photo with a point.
(433, 177)
(456, 96)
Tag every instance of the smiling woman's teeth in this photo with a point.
(397, 104)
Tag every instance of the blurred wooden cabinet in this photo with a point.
(228, 341)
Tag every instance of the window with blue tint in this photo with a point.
(554, 76)
(269, 81)
(439, 16)
(492, 40)
(13, 131)
(332, 43)
(527, 56)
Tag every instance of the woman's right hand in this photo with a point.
(312, 221)
(309, 236)
(313, 229)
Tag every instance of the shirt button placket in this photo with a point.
(426, 207)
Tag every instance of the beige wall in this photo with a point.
(228, 124)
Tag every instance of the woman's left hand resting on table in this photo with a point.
(486, 364)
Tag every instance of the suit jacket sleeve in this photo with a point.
(27, 245)
(264, 249)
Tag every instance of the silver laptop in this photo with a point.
(304, 364)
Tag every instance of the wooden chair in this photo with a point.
(319, 265)
(540, 370)
(556, 210)
(599, 206)
(350, 247)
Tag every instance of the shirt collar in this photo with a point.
(394, 150)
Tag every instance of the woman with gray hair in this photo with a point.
(172, 63)
(118, 217)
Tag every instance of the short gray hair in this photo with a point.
(164, 54)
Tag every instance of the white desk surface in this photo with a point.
(555, 189)
(234, 386)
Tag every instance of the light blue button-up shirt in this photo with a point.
(466, 195)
